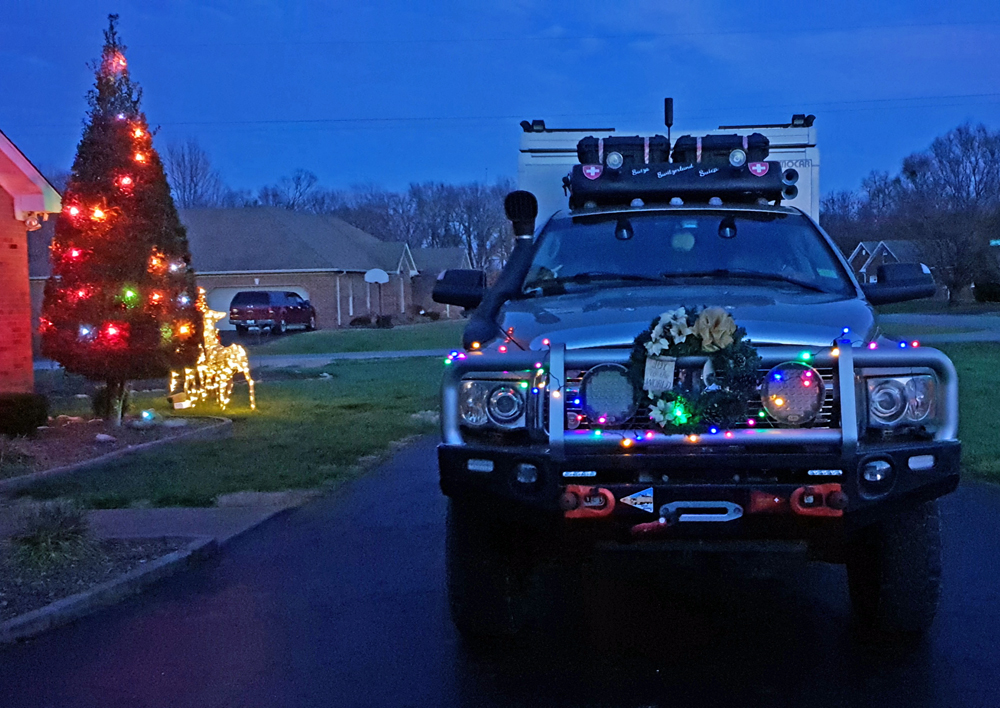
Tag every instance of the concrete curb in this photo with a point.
(75, 606)
(222, 428)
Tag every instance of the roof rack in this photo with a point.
(621, 170)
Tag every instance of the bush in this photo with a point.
(101, 403)
(50, 530)
(432, 315)
(986, 292)
(21, 413)
(384, 322)
(362, 321)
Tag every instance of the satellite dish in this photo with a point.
(376, 275)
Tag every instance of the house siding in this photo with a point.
(16, 367)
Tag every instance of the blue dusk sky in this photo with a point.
(390, 92)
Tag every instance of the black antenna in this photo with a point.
(668, 116)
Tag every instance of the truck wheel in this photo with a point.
(894, 574)
(242, 330)
(486, 574)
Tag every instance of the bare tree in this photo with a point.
(193, 181)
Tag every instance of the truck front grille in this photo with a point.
(828, 418)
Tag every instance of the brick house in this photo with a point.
(320, 257)
(26, 199)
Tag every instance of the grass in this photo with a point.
(432, 335)
(939, 307)
(307, 432)
(907, 331)
(979, 382)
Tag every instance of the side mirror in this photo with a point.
(522, 209)
(899, 282)
(464, 288)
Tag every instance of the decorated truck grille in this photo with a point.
(577, 417)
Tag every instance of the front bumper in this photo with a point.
(751, 480)
(747, 495)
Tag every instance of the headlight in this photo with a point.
(608, 398)
(498, 403)
(473, 402)
(901, 400)
(505, 406)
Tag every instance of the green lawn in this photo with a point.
(938, 307)
(908, 331)
(979, 380)
(306, 432)
(431, 335)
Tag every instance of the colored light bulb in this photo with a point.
(98, 213)
(74, 211)
(139, 157)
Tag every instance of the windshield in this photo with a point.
(781, 250)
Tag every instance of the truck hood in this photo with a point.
(613, 317)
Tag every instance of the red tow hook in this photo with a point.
(819, 500)
(581, 502)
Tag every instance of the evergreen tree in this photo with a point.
(121, 301)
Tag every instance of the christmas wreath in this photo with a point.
(690, 399)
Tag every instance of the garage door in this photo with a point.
(220, 298)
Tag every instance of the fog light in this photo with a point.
(615, 160)
(527, 474)
(876, 478)
(737, 158)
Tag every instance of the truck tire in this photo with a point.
(486, 574)
(894, 574)
(242, 330)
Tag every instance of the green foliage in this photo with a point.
(121, 301)
(723, 405)
(50, 531)
(21, 413)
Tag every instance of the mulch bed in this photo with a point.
(27, 584)
(68, 440)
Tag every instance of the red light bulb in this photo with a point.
(74, 211)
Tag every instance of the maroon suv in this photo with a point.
(273, 310)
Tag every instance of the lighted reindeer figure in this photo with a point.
(213, 373)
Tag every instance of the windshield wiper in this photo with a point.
(752, 274)
(589, 277)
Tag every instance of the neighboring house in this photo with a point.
(430, 263)
(869, 255)
(320, 257)
(26, 200)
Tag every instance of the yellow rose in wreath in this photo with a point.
(716, 328)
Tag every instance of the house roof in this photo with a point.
(901, 251)
(434, 260)
(269, 239)
(22, 180)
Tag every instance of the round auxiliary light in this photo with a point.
(737, 158)
(793, 393)
(607, 394)
(615, 160)
(505, 405)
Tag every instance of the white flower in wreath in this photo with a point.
(680, 330)
(662, 412)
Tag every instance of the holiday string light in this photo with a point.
(212, 375)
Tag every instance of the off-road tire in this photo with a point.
(279, 329)
(242, 330)
(311, 326)
(894, 574)
(487, 574)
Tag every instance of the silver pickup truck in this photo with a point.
(549, 452)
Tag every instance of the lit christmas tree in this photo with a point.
(121, 301)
